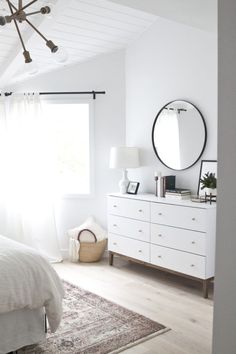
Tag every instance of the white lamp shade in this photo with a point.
(124, 157)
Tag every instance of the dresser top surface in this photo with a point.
(152, 198)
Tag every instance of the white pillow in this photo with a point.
(91, 225)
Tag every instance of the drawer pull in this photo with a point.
(160, 214)
(159, 256)
(114, 225)
(114, 243)
(140, 230)
(192, 265)
(140, 211)
(140, 251)
(193, 242)
(114, 206)
(194, 219)
(160, 235)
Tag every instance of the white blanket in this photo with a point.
(27, 280)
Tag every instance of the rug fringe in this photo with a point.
(141, 340)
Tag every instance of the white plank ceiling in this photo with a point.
(85, 28)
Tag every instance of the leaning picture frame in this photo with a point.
(206, 166)
(133, 187)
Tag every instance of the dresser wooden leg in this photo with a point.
(205, 286)
(111, 258)
(45, 323)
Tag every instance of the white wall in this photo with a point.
(225, 283)
(102, 73)
(170, 61)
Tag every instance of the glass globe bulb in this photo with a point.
(53, 11)
(61, 56)
(3, 13)
(31, 68)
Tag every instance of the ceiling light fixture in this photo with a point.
(19, 15)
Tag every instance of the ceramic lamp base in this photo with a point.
(124, 182)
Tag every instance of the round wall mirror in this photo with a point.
(179, 135)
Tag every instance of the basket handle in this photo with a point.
(88, 231)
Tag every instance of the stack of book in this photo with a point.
(178, 194)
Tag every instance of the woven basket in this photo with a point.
(91, 252)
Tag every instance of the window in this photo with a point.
(68, 124)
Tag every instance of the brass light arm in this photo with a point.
(20, 36)
(12, 7)
(17, 27)
(25, 53)
(27, 5)
(33, 13)
(17, 14)
(13, 15)
(21, 9)
(49, 43)
(36, 30)
(44, 11)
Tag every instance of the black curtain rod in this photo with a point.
(94, 93)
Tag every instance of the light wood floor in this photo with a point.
(173, 301)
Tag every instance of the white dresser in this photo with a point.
(176, 236)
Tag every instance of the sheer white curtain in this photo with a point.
(26, 176)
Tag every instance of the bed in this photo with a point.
(29, 290)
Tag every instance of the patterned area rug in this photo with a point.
(94, 325)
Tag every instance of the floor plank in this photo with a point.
(171, 300)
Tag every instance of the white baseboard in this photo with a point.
(65, 254)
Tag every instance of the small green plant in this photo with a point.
(208, 181)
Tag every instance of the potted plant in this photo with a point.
(209, 183)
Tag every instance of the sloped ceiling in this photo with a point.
(85, 28)
(201, 14)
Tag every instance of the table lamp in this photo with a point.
(124, 157)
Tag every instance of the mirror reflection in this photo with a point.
(179, 135)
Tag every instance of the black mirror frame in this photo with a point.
(205, 129)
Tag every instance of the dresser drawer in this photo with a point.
(179, 216)
(180, 239)
(139, 230)
(129, 247)
(179, 261)
(135, 209)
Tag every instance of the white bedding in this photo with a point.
(28, 281)
(21, 328)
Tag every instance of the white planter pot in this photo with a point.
(210, 191)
